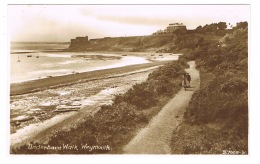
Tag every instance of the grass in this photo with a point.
(213, 122)
(206, 139)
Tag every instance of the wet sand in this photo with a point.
(58, 81)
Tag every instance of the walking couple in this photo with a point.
(186, 80)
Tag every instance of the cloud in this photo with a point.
(63, 22)
(45, 29)
(136, 20)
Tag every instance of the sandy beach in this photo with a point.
(57, 81)
(37, 106)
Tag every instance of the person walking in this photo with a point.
(184, 82)
(188, 78)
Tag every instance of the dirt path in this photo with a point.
(156, 136)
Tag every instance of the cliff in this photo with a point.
(151, 43)
(134, 43)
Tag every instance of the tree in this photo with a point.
(199, 29)
(211, 28)
(222, 25)
(242, 25)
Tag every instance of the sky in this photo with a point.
(60, 23)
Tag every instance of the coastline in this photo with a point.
(100, 91)
(41, 117)
(66, 63)
(58, 81)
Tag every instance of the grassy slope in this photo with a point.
(216, 119)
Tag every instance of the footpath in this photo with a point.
(155, 138)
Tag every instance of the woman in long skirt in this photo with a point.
(184, 82)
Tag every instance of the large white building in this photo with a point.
(175, 26)
(171, 28)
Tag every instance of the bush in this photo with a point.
(223, 97)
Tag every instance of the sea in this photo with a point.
(34, 60)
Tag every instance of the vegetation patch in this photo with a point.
(216, 120)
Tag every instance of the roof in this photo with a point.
(176, 24)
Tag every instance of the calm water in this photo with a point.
(37, 47)
(57, 63)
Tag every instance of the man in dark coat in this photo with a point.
(188, 77)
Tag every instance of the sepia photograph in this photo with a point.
(128, 79)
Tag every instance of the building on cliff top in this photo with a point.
(171, 28)
(78, 43)
(80, 40)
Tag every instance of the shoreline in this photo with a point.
(58, 81)
(30, 134)
(41, 129)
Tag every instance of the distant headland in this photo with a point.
(159, 41)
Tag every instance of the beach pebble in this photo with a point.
(36, 109)
(64, 101)
(29, 112)
(49, 103)
(76, 103)
(12, 106)
(76, 98)
(67, 107)
(16, 123)
(22, 118)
